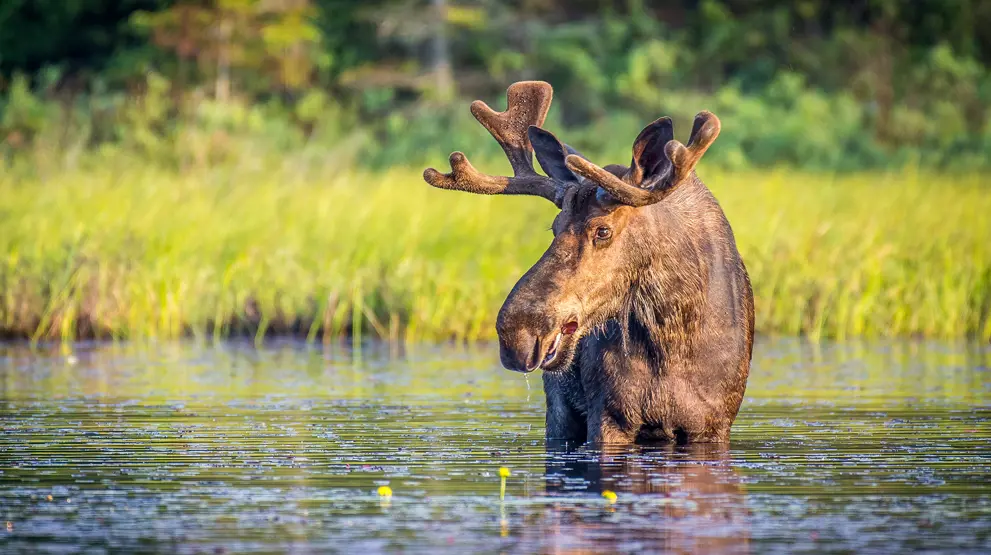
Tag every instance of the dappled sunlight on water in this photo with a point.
(868, 447)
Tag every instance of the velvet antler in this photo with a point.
(651, 177)
(528, 103)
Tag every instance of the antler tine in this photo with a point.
(683, 159)
(622, 191)
(464, 177)
(705, 129)
(528, 103)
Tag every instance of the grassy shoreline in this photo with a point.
(129, 251)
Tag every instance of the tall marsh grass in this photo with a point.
(124, 250)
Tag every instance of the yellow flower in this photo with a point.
(503, 472)
(610, 496)
(385, 491)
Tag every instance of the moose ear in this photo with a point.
(650, 164)
(551, 154)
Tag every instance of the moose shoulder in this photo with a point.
(640, 312)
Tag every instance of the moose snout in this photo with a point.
(519, 351)
(530, 321)
(523, 328)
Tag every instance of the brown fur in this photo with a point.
(645, 267)
(666, 354)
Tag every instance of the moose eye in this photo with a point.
(603, 234)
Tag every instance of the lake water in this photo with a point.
(183, 448)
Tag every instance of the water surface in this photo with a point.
(865, 447)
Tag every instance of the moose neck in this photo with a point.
(666, 305)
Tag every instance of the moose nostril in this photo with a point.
(535, 355)
(519, 351)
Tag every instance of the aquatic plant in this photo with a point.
(503, 474)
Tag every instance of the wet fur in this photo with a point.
(673, 364)
(659, 309)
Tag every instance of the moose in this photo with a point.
(641, 312)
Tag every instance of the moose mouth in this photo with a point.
(552, 353)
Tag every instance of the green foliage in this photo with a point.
(297, 245)
(24, 114)
(142, 121)
(879, 85)
(151, 150)
(78, 34)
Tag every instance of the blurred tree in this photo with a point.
(75, 34)
(275, 41)
(914, 73)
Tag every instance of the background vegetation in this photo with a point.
(252, 166)
(874, 84)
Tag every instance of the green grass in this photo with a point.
(125, 250)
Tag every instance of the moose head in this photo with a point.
(607, 238)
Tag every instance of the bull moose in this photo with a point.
(640, 313)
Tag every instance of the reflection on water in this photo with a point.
(866, 447)
(685, 499)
